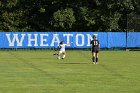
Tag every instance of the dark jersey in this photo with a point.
(95, 43)
(95, 46)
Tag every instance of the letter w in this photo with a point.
(15, 39)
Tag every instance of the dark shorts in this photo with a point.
(95, 50)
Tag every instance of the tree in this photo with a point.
(63, 19)
(11, 18)
(66, 15)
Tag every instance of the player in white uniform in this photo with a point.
(62, 50)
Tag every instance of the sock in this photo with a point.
(64, 56)
(96, 59)
(59, 57)
(93, 59)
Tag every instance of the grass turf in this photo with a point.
(40, 72)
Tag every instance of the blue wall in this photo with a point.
(133, 39)
(79, 39)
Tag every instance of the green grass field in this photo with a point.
(40, 72)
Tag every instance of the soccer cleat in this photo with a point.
(93, 62)
(58, 58)
(96, 62)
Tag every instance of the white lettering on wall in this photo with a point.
(43, 40)
(67, 37)
(82, 40)
(47, 39)
(15, 39)
(55, 40)
(89, 38)
(30, 40)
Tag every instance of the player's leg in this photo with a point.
(93, 57)
(59, 54)
(97, 56)
(64, 55)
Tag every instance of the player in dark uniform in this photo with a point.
(95, 46)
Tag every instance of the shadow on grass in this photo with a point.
(74, 63)
(38, 58)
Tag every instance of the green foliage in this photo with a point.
(12, 18)
(111, 23)
(87, 16)
(62, 15)
(63, 19)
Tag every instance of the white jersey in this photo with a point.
(62, 47)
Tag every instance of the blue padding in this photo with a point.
(79, 39)
(116, 39)
(133, 39)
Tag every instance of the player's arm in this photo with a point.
(99, 44)
(59, 46)
(69, 43)
(91, 45)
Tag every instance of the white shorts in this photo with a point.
(60, 52)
